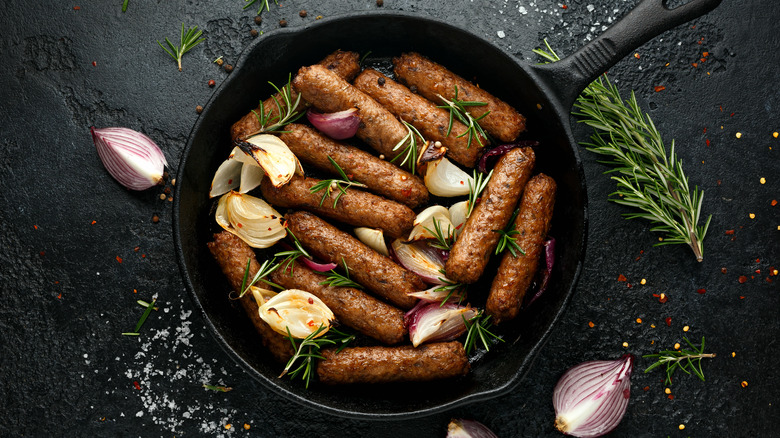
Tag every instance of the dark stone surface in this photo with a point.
(65, 224)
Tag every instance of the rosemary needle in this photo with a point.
(189, 39)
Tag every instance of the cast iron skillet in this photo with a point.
(543, 93)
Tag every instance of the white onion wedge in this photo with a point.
(420, 259)
(428, 220)
(261, 295)
(251, 177)
(373, 238)
(273, 155)
(458, 216)
(446, 179)
(226, 178)
(298, 311)
(250, 218)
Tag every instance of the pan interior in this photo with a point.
(280, 53)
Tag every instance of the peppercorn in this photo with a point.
(303, 13)
(258, 19)
(198, 109)
(380, 81)
(219, 61)
(212, 82)
(155, 218)
(380, 2)
(253, 32)
(283, 23)
(228, 68)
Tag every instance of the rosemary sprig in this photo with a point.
(328, 185)
(409, 152)
(689, 361)
(452, 288)
(265, 270)
(443, 241)
(188, 40)
(286, 110)
(458, 110)
(649, 179)
(217, 388)
(147, 312)
(309, 349)
(334, 279)
(263, 4)
(479, 328)
(508, 239)
(124, 5)
(477, 184)
(291, 255)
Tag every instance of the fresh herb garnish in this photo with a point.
(265, 270)
(328, 185)
(291, 255)
(649, 179)
(149, 308)
(188, 40)
(458, 110)
(334, 279)
(452, 288)
(309, 348)
(124, 5)
(508, 239)
(409, 153)
(286, 110)
(689, 361)
(478, 328)
(443, 241)
(477, 184)
(263, 4)
(218, 388)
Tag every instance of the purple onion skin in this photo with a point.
(549, 256)
(338, 126)
(497, 152)
(460, 428)
(311, 264)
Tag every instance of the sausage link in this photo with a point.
(430, 120)
(380, 176)
(393, 364)
(377, 273)
(471, 252)
(330, 93)
(516, 273)
(231, 254)
(357, 208)
(432, 79)
(352, 307)
(344, 64)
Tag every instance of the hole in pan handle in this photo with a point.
(569, 76)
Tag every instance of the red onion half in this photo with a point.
(130, 157)
(494, 154)
(339, 125)
(591, 398)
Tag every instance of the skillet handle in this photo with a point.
(569, 76)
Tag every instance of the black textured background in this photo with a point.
(65, 224)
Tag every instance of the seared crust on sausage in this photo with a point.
(393, 364)
(381, 177)
(432, 79)
(423, 114)
(352, 307)
(478, 240)
(358, 208)
(516, 273)
(377, 273)
(231, 254)
(330, 93)
(344, 64)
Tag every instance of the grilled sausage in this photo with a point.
(344, 64)
(329, 93)
(377, 273)
(423, 114)
(352, 307)
(516, 273)
(393, 364)
(231, 254)
(381, 177)
(470, 253)
(358, 208)
(432, 79)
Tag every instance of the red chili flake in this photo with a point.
(119, 259)
(77, 8)
(741, 297)
(636, 55)
(135, 291)
(646, 388)
(641, 251)
(668, 321)
(240, 225)
(637, 258)
(659, 88)
(230, 181)
(629, 285)
(136, 248)
(703, 60)
(564, 7)
(742, 279)
(93, 222)
(772, 270)
(774, 202)
(695, 64)
(94, 63)
(407, 192)
(707, 140)
(671, 396)
(758, 271)
(143, 256)
(758, 260)
(59, 297)
(729, 232)
(721, 108)
(137, 386)
(702, 291)
(693, 27)
(768, 280)
(705, 54)
(42, 253)
(35, 226)
(718, 181)
(704, 131)
(311, 300)
(622, 277)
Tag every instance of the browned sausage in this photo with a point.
(430, 120)
(432, 79)
(231, 254)
(380, 176)
(516, 273)
(344, 64)
(352, 307)
(393, 364)
(377, 273)
(470, 253)
(330, 93)
(358, 208)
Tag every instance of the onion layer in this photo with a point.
(420, 259)
(273, 155)
(298, 311)
(373, 238)
(591, 398)
(460, 428)
(339, 125)
(446, 179)
(434, 322)
(250, 218)
(428, 220)
(131, 157)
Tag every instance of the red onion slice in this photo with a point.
(460, 428)
(421, 259)
(131, 157)
(434, 322)
(591, 398)
(339, 125)
(494, 154)
(311, 264)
